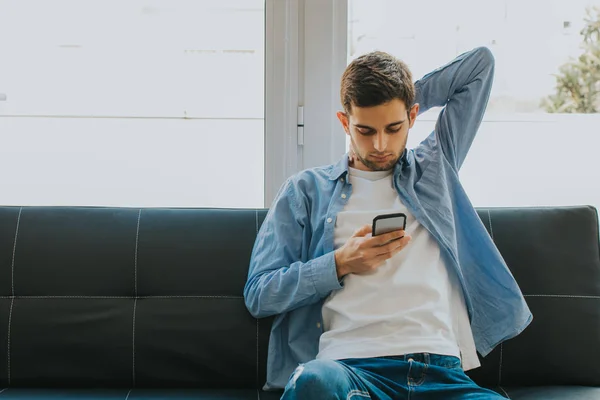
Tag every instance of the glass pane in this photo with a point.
(132, 162)
(175, 58)
(132, 103)
(523, 155)
(520, 163)
(531, 40)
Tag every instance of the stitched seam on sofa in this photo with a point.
(597, 229)
(258, 394)
(504, 391)
(124, 297)
(12, 302)
(128, 393)
(135, 259)
(500, 367)
(3, 390)
(256, 218)
(232, 297)
(492, 236)
(490, 221)
(133, 343)
(519, 208)
(12, 264)
(568, 296)
(257, 326)
(135, 262)
(257, 355)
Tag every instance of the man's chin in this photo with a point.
(383, 166)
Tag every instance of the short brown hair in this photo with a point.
(374, 79)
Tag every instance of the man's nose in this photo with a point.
(380, 142)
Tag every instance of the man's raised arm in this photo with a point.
(463, 86)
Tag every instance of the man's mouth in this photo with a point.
(381, 158)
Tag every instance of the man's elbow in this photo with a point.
(251, 299)
(486, 57)
(252, 296)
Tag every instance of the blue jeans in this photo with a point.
(412, 376)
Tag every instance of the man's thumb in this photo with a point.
(363, 231)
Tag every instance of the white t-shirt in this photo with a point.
(410, 304)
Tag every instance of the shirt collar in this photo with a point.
(341, 167)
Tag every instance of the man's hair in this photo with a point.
(376, 78)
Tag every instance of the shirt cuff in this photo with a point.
(324, 274)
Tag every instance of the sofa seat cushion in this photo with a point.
(137, 394)
(553, 393)
(514, 393)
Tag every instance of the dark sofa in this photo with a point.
(123, 303)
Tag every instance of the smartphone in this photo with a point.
(388, 222)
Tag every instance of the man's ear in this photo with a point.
(412, 114)
(343, 117)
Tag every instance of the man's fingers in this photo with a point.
(393, 247)
(381, 240)
(399, 242)
(379, 260)
(363, 231)
(402, 243)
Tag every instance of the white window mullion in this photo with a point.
(325, 53)
(306, 56)
(282, 79)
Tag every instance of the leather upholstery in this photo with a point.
(151, 299)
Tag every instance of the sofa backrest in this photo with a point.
(122, 297)
(554, 254)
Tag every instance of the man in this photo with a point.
(399, 315)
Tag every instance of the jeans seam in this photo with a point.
(420, 382)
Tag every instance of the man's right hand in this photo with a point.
(362, 253)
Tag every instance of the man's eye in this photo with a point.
(366, 131)
(394, 130)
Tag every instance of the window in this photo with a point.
(132, 103)
(523, 155)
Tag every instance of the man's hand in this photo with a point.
(362, 254)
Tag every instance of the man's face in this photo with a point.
(378, 134)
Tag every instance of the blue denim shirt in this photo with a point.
(292, 268)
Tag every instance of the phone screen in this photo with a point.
(388, 223)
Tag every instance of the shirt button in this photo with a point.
(318, 325)
(329, 220)
(343, 195)
(342, 180)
